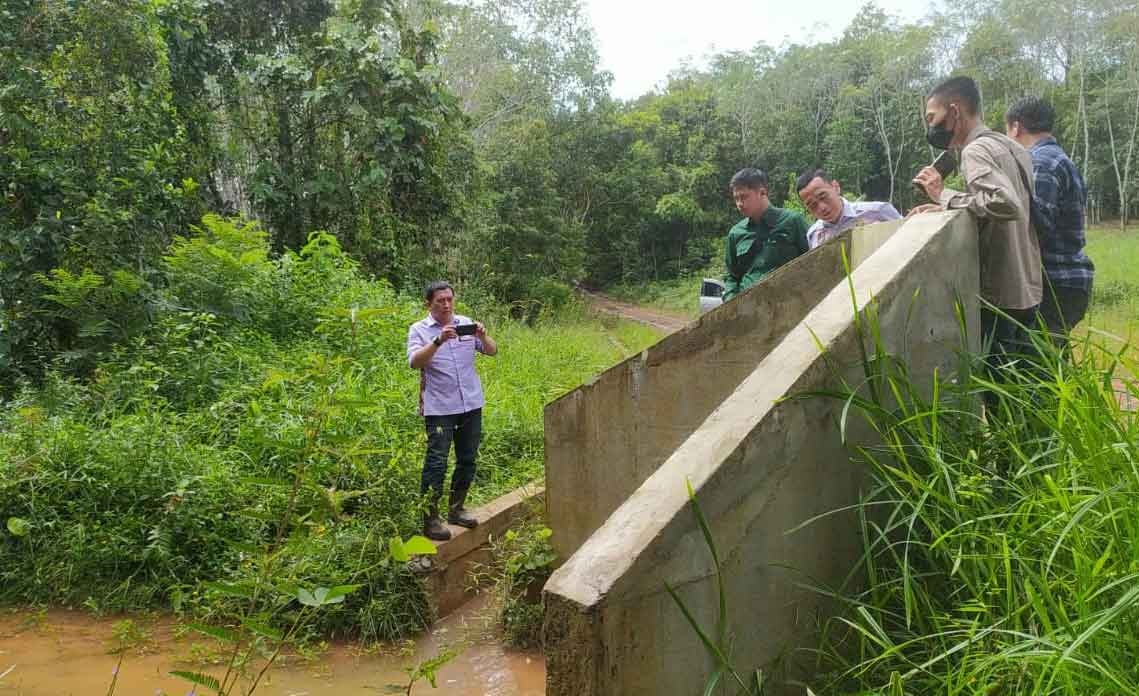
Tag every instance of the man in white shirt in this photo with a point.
(823, 198)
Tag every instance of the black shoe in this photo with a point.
(456, 514)
(434, 529)
(462, 518)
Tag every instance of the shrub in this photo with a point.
(998, 544)
(172, 467)
(224, 269)
(92, 313)
(524, 559)
(117, 514)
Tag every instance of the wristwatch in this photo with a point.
(438, 341)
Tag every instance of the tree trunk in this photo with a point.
(288, 222)
(884, 134)
(1124, 203)
(1123, 176)
(1084, 117)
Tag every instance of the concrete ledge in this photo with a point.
(447, 579)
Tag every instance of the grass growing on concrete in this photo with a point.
(1000, 548)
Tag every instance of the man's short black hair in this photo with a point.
(434, 287)
(749, 177)
(960, 89)
(810, 175)
(1035, 114)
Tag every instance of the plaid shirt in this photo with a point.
(1059, 216)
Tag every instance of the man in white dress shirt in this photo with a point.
(823, 198)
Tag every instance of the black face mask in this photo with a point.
(938, 135)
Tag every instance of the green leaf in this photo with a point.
(263, 630)
(18, 526)
(336, 594)
(266, 481)
(322, 596)
(244, 591)
(397, 551)
(259, 515)
(216, 632)
(198, 678)
(419, 546)
(250, 549)
(307, 598)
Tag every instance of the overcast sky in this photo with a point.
(642, 40)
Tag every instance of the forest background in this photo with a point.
(473, 141)
(216, 217)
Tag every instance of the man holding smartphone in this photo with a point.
(443, 347)
(998, 191)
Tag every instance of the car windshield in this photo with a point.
(711, 288)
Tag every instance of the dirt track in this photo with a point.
(655, 318)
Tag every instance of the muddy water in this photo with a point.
(67, 654)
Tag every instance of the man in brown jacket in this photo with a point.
(998, 191)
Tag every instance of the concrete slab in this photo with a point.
(448, 573)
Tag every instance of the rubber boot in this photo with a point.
(433, 527)
(456, 514)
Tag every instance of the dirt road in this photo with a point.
(655, 318)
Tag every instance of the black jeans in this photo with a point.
(1004, 329)
(1062, 309)
(465, 430)
(1006, 338)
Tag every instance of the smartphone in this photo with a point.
(466, 329)
(945, 164)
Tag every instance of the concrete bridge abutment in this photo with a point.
(709, 406)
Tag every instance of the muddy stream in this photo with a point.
(65, 653)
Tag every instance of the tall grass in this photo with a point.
(537, 364)
(1115, 296)
(1001, 544)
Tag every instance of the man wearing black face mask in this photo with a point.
(998, 182)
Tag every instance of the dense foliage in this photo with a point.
(172, 465)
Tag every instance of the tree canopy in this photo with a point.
(472, 140)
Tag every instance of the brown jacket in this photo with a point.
(992, 165)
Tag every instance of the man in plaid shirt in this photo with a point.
(1058, 215)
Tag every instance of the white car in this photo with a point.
(711, 294)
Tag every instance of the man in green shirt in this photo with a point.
(764, 240)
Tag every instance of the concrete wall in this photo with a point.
(447, 574)
(605, 438)
(760, 466)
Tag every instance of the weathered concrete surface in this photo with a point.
(868, 239)
(760, 466)
(448, 572)
(661, 395)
